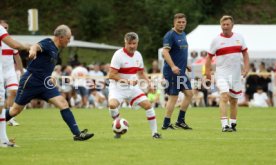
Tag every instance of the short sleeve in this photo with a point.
(167, 40)
(44, 44)
(244, 47)
(115, 61)
(213, 49)
(3, 33)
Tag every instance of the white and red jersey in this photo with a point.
(228, 52)
(7, 56)
(127, 64)
(3, 34)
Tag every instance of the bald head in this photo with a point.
(62, 30)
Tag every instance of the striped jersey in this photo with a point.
(7, 56)
(126, 64)
(228, 52)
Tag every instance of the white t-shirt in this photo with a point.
(259, 99)
(228, 52)
(79, 75)
(126, 64)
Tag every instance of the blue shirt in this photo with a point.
(45, 61)
(178, 45)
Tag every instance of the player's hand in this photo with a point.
(32, 54)
(176, 70)
(189, 69)
(245, 72)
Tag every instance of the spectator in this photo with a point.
(260, 99)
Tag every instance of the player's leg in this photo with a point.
(11, 93)
(183, 109)
(150, 114)
(69, 118)
(116, 97)
(223, 87)
(172, 99)
(233, 112)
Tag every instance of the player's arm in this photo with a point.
(168, 59)
(142, 75)
(208, 67)
(246, 63)
(33, 51)
(15, 44)
(114, 75)
(18, 62)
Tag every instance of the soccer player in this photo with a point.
(229, 48)
(175, 53)
(126, 65)
(5, 38)
(9, 74)
(37, 83)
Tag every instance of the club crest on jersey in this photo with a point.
(238, 42)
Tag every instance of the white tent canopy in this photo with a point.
(260, 39)
(32, 39)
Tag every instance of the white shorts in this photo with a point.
(229, 85)
(10, 78)
(133, 95)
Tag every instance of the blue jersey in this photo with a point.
(178, 45)
(45, 61)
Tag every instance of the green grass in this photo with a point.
(45, 139)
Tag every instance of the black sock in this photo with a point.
(166, 122)
(68, 117)
(8, 116)
(181, 117)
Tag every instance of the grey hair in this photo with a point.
(130, 36)
(61, 30)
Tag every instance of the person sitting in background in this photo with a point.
(154, 97)
(75, 100)
(260, 99)
(154, 68)
(198, 98)
(97, 98)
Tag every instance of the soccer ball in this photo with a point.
(120, 126)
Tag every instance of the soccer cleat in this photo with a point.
(10, 143)
(156, 136)
(168, 127)
(182, 125)
(227, 129)
(84, 135)
(117, 136)
(233, 126)
(13, 123)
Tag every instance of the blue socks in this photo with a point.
(68, 117)
(8, 116)
(181, 117)
(166, 122)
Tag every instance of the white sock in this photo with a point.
(233, 121)
(224, 121)
(3, 131)
(150, 113)
(114, 113)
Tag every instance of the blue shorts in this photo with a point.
(177, 84)
(31, 87)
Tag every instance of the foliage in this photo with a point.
(107, 21)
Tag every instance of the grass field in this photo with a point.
(44, 139)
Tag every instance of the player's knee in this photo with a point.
(189, 95)
(112, 106)
(147, 106)
(224, 97)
